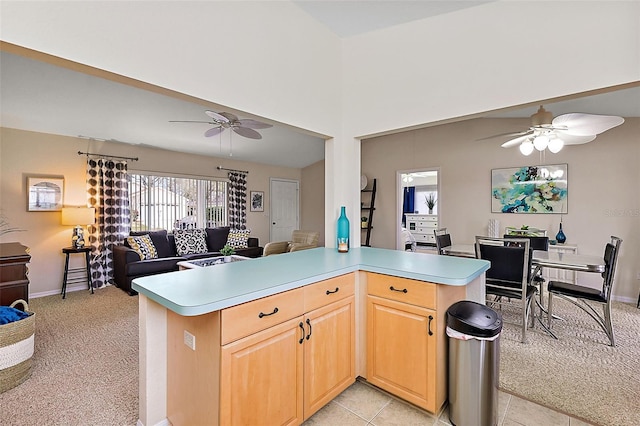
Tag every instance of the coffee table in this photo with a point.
(209, 261)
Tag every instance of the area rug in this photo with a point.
(579, 374)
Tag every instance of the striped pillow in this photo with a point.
(143, 245)
(238, 238)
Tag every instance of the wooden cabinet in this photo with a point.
(14, 283)
(262, 377)
(406, 342)
(278, 359)
(422, 226)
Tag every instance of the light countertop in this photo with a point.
(203, 290)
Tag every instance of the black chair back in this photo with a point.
(442, 241)
(510, 265)
(535, 243)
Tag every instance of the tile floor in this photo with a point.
(362, 404)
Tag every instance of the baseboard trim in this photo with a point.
(164, 422)
(70, 289)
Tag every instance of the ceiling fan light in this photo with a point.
(541, 142)
(526, 147)
(555, 145)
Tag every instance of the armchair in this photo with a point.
(300, 240)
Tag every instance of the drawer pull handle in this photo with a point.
(334, 291)
(309, 324)
(301, 325)
(404, 290)
(430, 319)
(262, 314)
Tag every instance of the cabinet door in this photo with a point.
(329, 353)
(261, 377)
(401, 350)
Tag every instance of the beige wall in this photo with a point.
(604, 195)
(25, 153)
(312, 199)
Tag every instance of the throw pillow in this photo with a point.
(217, 237)
(143, 246)
(238, 238)
(160, 240)
(190, 241)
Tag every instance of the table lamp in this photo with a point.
(78, 217)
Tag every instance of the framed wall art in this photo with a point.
(45, 193)
(256, 201)
(530, 189)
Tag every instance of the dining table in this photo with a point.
(542, 259)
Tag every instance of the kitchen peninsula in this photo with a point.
(290, 332)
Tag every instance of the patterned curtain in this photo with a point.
(108, 191)
(237, 200)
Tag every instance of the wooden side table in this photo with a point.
(77, 274)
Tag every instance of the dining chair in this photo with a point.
(443, 239)
(584, 297)
(508, 276)
(535, 243)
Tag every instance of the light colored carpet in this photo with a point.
(85, 365)
(579, 374)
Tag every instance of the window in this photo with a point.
(163, 202)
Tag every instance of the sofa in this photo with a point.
(157, 252)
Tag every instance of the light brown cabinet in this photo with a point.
(406, 346)
(277, 360)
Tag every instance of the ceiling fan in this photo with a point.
(226, 120)
(554, 133)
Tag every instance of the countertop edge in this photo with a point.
(358, 265)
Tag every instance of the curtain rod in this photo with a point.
(108, 156)
(232, 170)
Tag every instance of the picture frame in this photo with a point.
(256, 201)
(530, 189)
(45, 193)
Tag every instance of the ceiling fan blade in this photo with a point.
(230, 117)
(253, 124)
(515, 142)
(247, 133)
(524, 132)
(213, 131)
(570, 139)
(578, 124)
(218, 117)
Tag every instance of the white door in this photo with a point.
(284, 209)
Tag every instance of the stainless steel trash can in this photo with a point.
(474, 363)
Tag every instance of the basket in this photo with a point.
(16, 349)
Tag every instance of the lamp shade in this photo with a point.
(78, 216)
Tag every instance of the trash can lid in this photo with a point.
(474, 319)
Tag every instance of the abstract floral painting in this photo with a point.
(529, 189)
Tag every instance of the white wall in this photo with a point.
(602, 183)
(292, 70)
(487, 57)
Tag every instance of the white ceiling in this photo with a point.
(40, 97)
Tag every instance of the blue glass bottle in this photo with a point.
(343, 231)
(560, 237)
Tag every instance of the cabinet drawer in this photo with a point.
(327, 291)
(429, 225)
(426, 230)
(424, 238)
(251, 317)
(418, 293)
